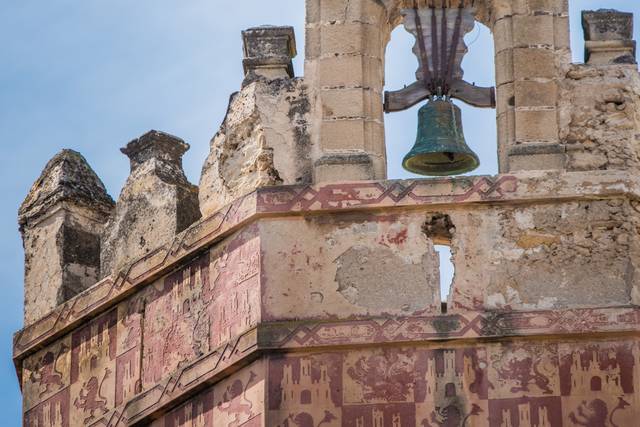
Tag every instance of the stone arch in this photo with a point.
(393, 8)
(345, 66)
(404, 65)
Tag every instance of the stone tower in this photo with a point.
(296, 286)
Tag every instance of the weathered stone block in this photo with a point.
(548, 6)
(343, 134)
(264, 140)
(313, 11)
(536, 157)
(360, 11)
(534, 63)
(345, 103)
(268, 51)
(562, 37)
(530, 93)
(506, 137)
(353, 38)
(607, 24)
(374, 139)
(347, 166)
(503, 34)
(505, 98)
(536, 125)
(504, 67)
(533, 30)
(350, 71)
(60, 221)
(313, 45)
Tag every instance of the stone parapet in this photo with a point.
(433, 195)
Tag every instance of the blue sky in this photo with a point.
(92, 75)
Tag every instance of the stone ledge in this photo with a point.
(302, 200)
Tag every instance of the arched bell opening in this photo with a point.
(473, 129)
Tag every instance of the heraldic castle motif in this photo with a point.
(297, 286)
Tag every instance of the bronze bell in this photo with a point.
(440, 147)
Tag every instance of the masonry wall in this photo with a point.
(367, 278)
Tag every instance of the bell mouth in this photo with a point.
(440, 164)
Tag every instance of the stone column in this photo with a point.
(345, 69)
(60, 221)
(532, 55)
(156, 203)
(608, 37)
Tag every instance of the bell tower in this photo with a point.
(297, 286)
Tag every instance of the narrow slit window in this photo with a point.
(447, 272)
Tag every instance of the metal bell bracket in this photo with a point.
(440, 48)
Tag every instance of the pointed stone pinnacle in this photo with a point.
(67, 177)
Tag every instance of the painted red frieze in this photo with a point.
(235, 402)
(93, 369)
(463, 325)
(235, 287)
(600, 383)
(305, 391)
(388, 193)
(394, 387)
(53, 412)
(197, 412)
(500, 385)
(526, 412)
(173, 332)
(201, 306)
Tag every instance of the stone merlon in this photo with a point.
(155, 145)
(156, 203)
(60, 221)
